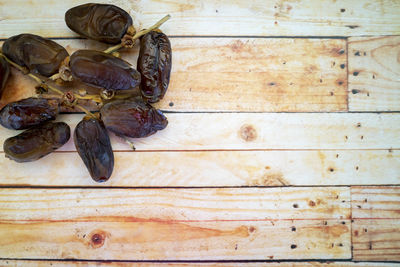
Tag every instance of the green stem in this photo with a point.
(138, 34)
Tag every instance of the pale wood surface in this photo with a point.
(375, 231)
(213, 168)
(37, 263)
(229, 69)
(247, 131)
(203, 224)
(374, 73)
(243, 18)
(239, 74)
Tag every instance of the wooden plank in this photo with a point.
(282, 18)
(38, 263)
(374, 73)
(246, 131)
(179, 224)
(213, 168)
(375, 230)
(240, 74)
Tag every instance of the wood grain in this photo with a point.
(279, 18)
(195, 224)
(374, 73)
(239, 74)
(246, 131)
(375, 230)
(39, 263)
(213, 169)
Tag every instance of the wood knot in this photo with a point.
(248, 133)
(252, 229)
(97, 239)
(311, 203)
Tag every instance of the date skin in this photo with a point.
(101, 22)
(28, 112)
(103, 70)
(94, 147)
(37, 142)
(4, 74)
(132, 118)
(36, 53)
(154, 64)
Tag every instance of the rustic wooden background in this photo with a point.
(282, 147)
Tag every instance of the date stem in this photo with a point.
(138, 34)
(52, 88)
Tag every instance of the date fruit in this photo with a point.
(154, 64)
(37, 142)
(132, 118)
(94, 147)
(103, 70)
(38, 54)
(4, 73)
(101, 22)
(28, 112)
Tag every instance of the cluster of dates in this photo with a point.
(132, 116)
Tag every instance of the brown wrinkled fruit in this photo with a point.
(37, 142)
(4, 74)
(154, 64)
(103, 70)
(132, 118)
(38, 54)
(28, 112)
(94, 147)
(101, 22)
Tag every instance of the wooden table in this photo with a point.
(282, 147)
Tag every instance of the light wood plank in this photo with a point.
(38, 263)
(280, 18)
(374, 73)
(240, 74)
(202, 204)
(376, 213)
(202, 224)
(213, 168)
(244, 131)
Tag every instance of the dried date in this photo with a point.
(94, 147)
(154, 64)
(28, 112)
(103, 70)
(36, 53)
(37, 142)
(101, 22)
(4, 74)
(132, 118)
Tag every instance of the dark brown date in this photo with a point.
(103, 70)
(38, 54)
(28, 112)
(37, 142)
(154, 64)
(132, 118)
(94, 147)
(4, 74)
(101, 22)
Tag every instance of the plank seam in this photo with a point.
(2, 186)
